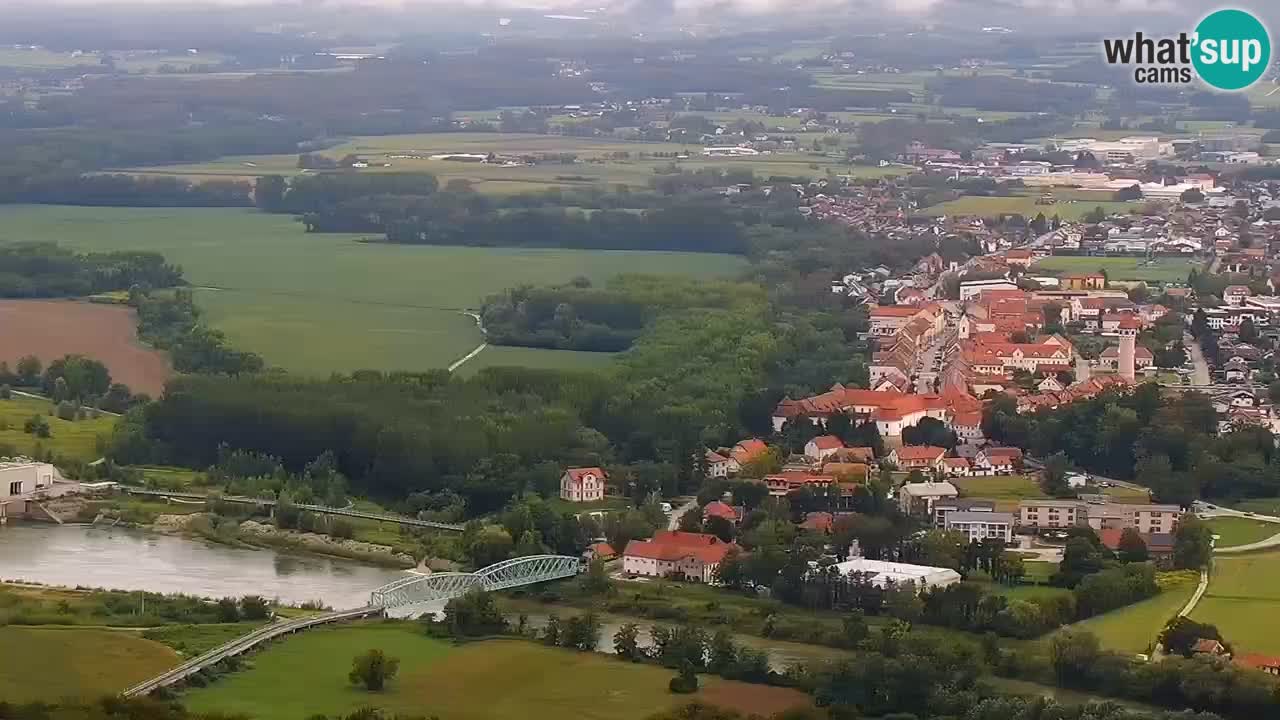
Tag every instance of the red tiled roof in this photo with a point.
(827, 442)
(575, 474)
(818, 521)
(893, 311)
(602, 550)
(673, 545)
(1258, 662)
(920, 452)
(1003, 452)
(716, 508)
(747, 450)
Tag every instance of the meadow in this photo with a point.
(321, 303)
(983, 206)
(71, 439)
(1133, 629)
(600, 161)
(1241, 531)
(307, 675)
(1242, 601)
(1008, 490)
(1160, 269)
(46, 664)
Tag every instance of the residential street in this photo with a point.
(1201, 375)
(673, 522)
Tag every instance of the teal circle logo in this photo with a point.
(1232, 49)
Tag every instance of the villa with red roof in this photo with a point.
(719, 509)
(582, 484)
(823, 446)
(675, 554)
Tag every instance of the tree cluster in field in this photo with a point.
(578, 316)
(119, 608)
(1170, 444)
(171, 321)
(79, 386)
(119, 190)
(372, 669)
(36, 270)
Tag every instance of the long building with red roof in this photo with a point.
(672, 553)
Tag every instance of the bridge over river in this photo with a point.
(404, 596)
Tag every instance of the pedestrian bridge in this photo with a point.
(499, 576)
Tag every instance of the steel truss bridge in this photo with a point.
(499, 576)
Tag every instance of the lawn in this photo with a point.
(47, 664)
(1005, 490)
(498, 355)
(1263, 506)
(1133, 629)
(320, 303)
(1243, 599)
(307, 675)
(1160, 269)
(1023, 205)
(599, 161)
(1242, 531)
(192, 640)
(76, 439)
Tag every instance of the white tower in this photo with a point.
(1128, 331)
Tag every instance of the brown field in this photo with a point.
(750, 699)
(50, 329)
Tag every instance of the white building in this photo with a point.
(882, 573)
(582, 484)
(979, 526)
(20, 480)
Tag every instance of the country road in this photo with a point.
(1209, 510)
(1201, 375)
(673, 523)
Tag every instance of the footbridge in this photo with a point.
(413, 590)
(499, 576)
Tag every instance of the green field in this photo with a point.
(1242, 531)
(1243, 599)
(1005, 490)
(75, 440)
(321, 303)
(1023, 205)
(599, 162)
(1160, 269)
(47, 664)
(1133, 629)
(307, 675)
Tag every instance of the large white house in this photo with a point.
(20, 480)
(582, 484)
(676, 554)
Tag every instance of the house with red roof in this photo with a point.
(1269, 664)
(675, 554)
(583, 484)
(822, 447)
(746, 451)
(599, 551)
(997, 461)
(917, 457)
(780, 484)
(719, 509)
(717, 464)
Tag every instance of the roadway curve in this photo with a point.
(1209, 511)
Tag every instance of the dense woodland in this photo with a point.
(41, 270)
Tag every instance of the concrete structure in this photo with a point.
(920, 498)
(1128, 332)
(1051, 513)
(1151, 519)
(882, 573)
(944, 507)
(22, 480)
(582, 484)
(979, 526)
(675, 554)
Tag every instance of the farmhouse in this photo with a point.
(675, 554)
(582, 484)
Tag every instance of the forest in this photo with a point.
(42, 270)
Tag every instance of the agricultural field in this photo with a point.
(600, 161)
(1243, 599)
(71, 439)
(307, 675)
(499, 355)
(1234, 531)
(1133, 629)
(306, 302)
(45, 664)
(42, 59)
(50, 329)
(1025, 205)
(1160, 269)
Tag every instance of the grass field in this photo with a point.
(1133, 629)
(1024, 205)
(1005, 490)
(192, 640)
(599, 161)
(321, 303)
(48, 664)
(307, 674)
(75, 440)
(1160, 269)
(1241, 531)
(1265, 506)
(1243, 599)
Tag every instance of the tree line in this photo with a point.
(36, 270)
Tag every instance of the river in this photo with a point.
(126, 559)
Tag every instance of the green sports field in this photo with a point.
(1160, 269)
(322, 303)
(307, 675)
(47, 664)
(1243, 599)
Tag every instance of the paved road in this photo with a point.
(1201, 374)
(1204, 509)
(673, 523)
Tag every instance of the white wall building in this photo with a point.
(20, 480)
(979, 526)
(582, 484)
(882, 573)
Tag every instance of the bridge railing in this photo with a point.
(515, 572)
